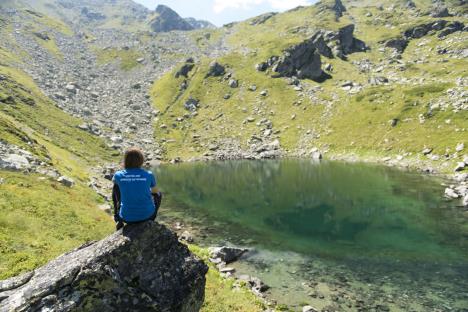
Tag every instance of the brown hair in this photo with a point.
(133, 158)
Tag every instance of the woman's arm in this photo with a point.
(154, 190)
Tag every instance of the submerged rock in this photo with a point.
(139, 268)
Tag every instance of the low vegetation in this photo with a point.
(41, 219)
(222, 295)
(329, 117)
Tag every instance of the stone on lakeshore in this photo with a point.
(465, 201)
(460, 166)
(226, 254)
(460, 147)
(450, 193)
(186, 236)
(141, 267)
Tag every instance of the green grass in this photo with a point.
(220, 293)
(126, 58)
(353, 124)
(41, 219)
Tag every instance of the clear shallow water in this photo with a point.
(330, 229)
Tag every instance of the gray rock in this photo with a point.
(261, 66)
(460, 177)
(42, 35)
(213, 147)
(139, 268)
(450, 193)
(339, 8)
(460, 166)
(68, 182)
(186, 236)
(316, 155)
(440, 11)
(226, 254)
(302, 61)
(309, 309)
(460, 147)
(465, 201)
(427, 151)
(393, 122)
(215, 70)
(233, 83)
(378, 80)
(191, 104)
(185, 69)
(399, 44)
(14, 162)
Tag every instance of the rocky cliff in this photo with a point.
(139, 268)
(167, 20)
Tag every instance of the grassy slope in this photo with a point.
(40, 218)
(361, 119)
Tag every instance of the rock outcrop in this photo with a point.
(443, 27)
(167, 20)
(304, 60)
(262, 18)
(139, 268)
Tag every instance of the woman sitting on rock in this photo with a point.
(135, 196)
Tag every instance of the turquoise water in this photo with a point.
(313, 223)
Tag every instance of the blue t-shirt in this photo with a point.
(136, 201)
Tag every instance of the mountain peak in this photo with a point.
(167, 19)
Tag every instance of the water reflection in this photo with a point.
(330, 209)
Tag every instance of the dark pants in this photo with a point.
(157, 198)
(152, 218)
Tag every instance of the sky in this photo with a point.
(221, 12)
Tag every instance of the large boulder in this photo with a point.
(186, 68)
(348, 43)
(302, 61)
(440, 11)
(215, 70)
(398, 44)
(339, 8)
(139, 268)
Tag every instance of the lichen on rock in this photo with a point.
(139, 268)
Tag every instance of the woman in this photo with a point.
(135, 196)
